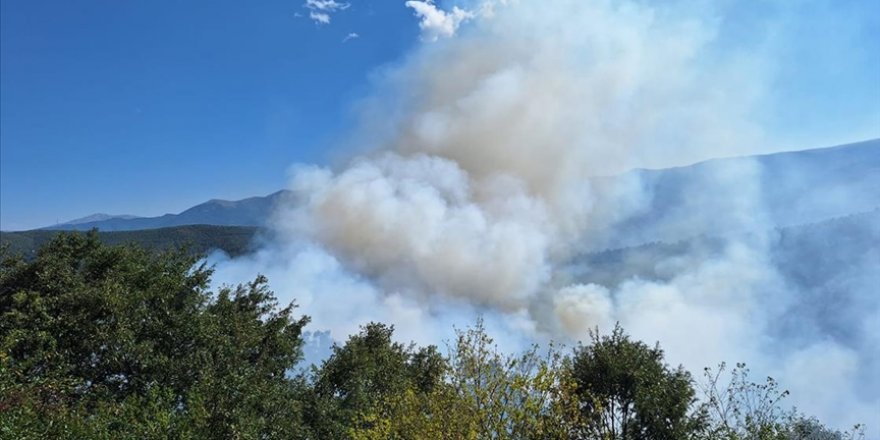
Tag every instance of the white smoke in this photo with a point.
(481, 182)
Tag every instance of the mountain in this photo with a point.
(808, 255)
(783, 189)
(794, 188)
(253, 212)
(812, 185)
(100, 217)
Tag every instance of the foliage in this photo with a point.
(510, 396)
(627, 392)
(119, 342)
(476, 392)
(234, 240)
(740, 409)
(368, 381)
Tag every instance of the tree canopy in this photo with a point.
(629, 393)
(97, 339)
(121, 342)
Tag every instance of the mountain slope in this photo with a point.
(794, 187)
(100, 217)
(253, 211)
(781, 189)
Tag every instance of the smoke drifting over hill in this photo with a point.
(479, 184)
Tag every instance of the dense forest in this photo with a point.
(198, 239)
(126, 342)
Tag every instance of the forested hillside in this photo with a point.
(234, 240)
(252, 211)
(122, 342)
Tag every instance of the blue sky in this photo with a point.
(148, 107)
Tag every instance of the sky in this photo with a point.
(146, 108)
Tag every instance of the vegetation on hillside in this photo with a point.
(198, 239)
(121, 342)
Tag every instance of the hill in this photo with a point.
(100, 217)
(234, 240)
(796, 187)
(253, 211)
(785, 189)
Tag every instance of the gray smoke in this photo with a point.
(483, 179)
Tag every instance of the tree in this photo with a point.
(627, 392)
(366, 380)
(509, 396)
(740, 409)
(477, 392)
(119, 342)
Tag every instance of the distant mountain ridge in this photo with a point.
(100, 217)
(252, 212)
(793, 188)
(797, 187)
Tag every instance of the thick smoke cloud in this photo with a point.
(483, 175)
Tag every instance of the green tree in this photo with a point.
(119, 342)
(357, 388)
(627, 392)
(477, 392)
(510, 396)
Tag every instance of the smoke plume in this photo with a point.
(484, 174)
